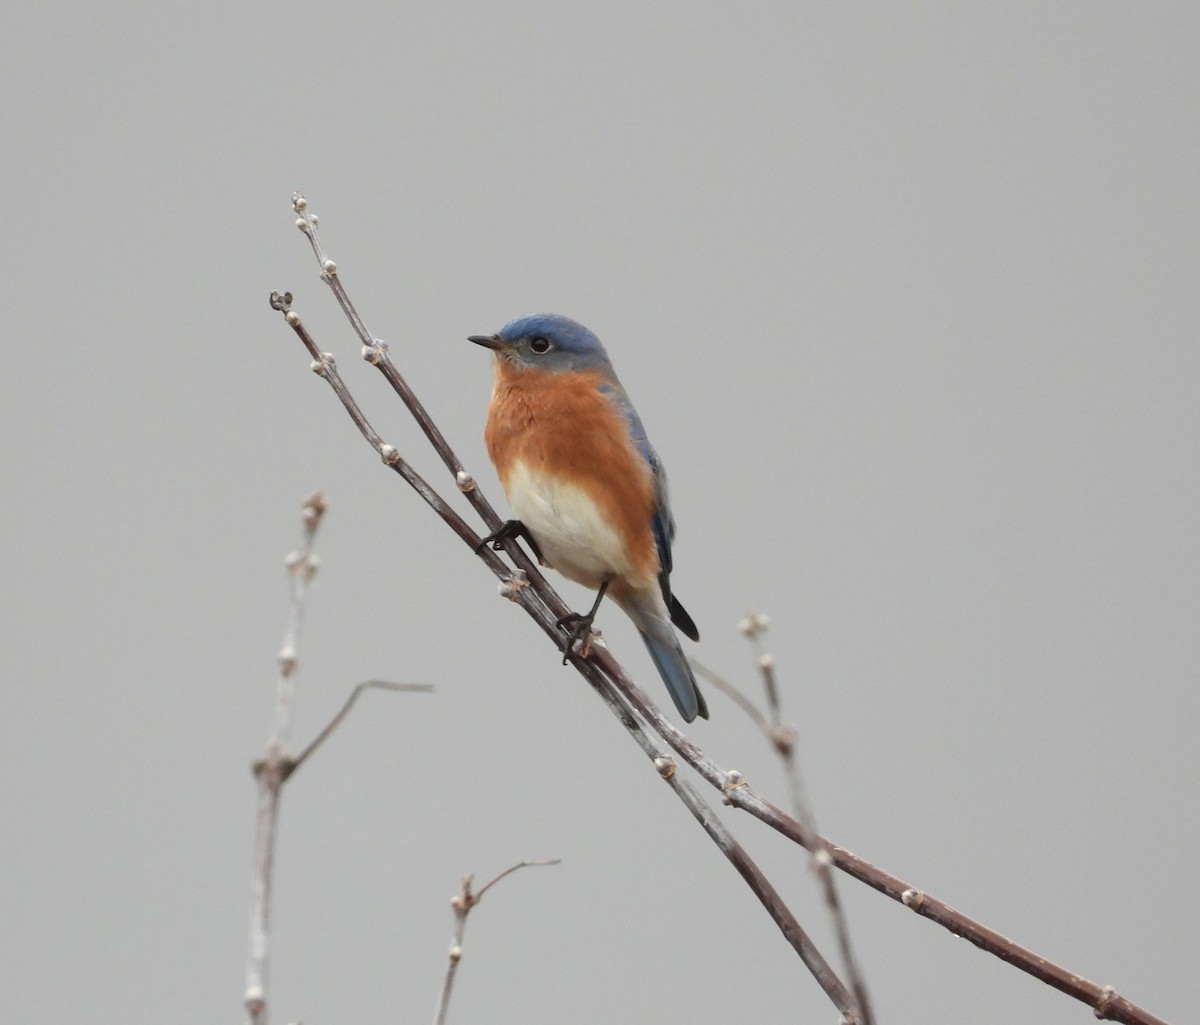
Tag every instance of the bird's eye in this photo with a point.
(539, 344)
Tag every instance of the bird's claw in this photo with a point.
(507, 530)
(581, 627)
(579, 631)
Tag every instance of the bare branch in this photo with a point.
(325, 367)
(1103, 1000)
(782, 738)
(767, 895)
(272, 770)
(375, 352)
(735, 695)
(462, 904)
(336, 721)
(511, 869)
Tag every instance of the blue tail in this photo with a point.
(677, 674)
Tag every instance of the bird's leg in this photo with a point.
(510, 529)
(580, 626)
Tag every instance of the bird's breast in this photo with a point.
(573, 475)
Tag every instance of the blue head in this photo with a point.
(547, 341)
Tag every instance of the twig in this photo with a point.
(375, 352)
(336, 721)
(736, 696)
(528, 588)
(1103, 1000)
(277, 767)
(325, 366)
(767, 895)
(782, 738)
(273, 770)
(462, 904)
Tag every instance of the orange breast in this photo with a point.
(561, 424)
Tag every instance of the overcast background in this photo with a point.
(906, 298)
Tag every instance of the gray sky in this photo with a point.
(906, 300)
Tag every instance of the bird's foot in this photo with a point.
(579, 631)
(579, 628)
(507, 530)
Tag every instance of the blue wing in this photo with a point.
(662, 524)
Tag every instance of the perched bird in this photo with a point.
(588, 489)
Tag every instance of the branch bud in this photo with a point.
(754, 624)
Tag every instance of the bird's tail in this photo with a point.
(673, 667)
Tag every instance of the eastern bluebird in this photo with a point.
(588, 489)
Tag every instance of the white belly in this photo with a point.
(574, 535)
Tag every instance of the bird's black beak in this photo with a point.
(487, 341)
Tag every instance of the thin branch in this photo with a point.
(272, 770)
(735, 695)
(325, 366)
(375, 350)
(527, 587)
(1103, 1000)
(719, 833)
(782, 739)
(462, 904)
(510, 870)
(336, 721)
(277, 767)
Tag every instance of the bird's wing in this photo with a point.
(661, 522)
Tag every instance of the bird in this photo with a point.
(587, 488)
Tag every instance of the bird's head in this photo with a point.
(547, 341)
